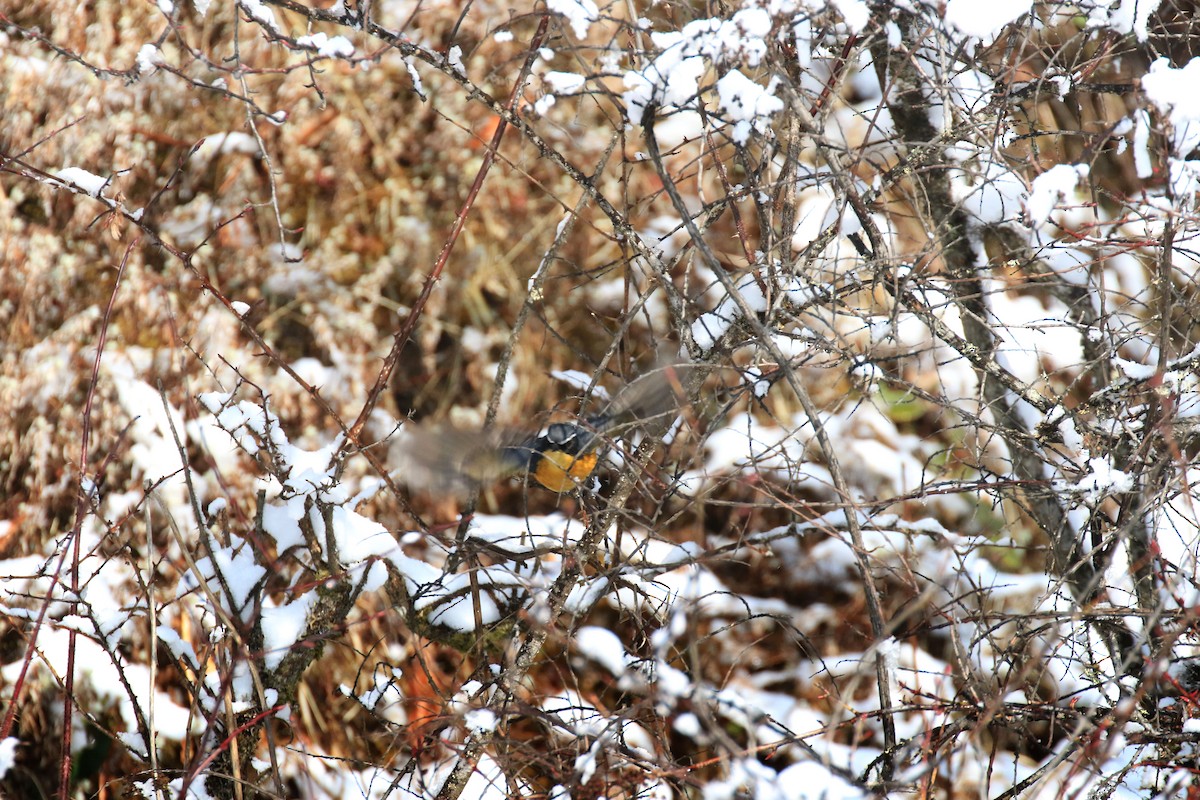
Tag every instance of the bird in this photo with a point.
(560, 457)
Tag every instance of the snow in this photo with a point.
(1173, 91)
(257, 11)
(602, 646)
(1136, 371)
(359, 538)
(89, 183)
(747, 104)
(100, 672)
(1127, 16)
(8, 754)
(580, 14)
(487, 782)
(672, 80)
(326, 45)
(448, 601)
(996, 196)
(807, 780)
(1184, 179)
(818, 208)
(454, 57)
(480, 719)
(1055, 184)
(855, 13)
(519, 536)
(578, 380)
(984, 20)
(149, 58)
(224, 143)
(283, 625)
(231, 568)
(415, 76)
(709, 327)
(753, 378)
(564, 82)
(179, 649)
(667, 84)
(153, 429)
(678, 127)
(810, 780)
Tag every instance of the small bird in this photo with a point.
(560, 457)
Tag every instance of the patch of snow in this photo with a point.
(1104, 480)
(855, 13)
(454, 57)
(580, 14)
(283, 625)
(602, 646)
(564, 82)
(1127, 16)
(747, 104)
(90, 183)
(1055, 184)
(149, 58)
(984, 20)
(1173, 91)
(225, 143)
(8, 754)
(257, 11)
(326, 45)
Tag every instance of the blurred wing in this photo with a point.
(646, 399)
(443, 459)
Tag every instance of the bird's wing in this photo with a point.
(645, 399)
(442, 458)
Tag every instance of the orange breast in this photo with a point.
(561, 472)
